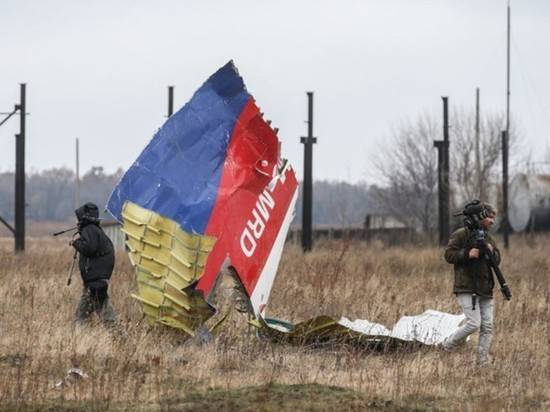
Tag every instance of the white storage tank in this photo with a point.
(529, 203)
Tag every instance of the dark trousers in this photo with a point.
(95, 298)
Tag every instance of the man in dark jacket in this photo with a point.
(473, 284)
(96, 264)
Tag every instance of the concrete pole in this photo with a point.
(307, 199)
(20, 175)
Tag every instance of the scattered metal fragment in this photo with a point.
(73, 375)
(428, 328)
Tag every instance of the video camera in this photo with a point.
(474, 212)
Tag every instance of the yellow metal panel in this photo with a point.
(158, 254)
(178, 301)
(189, 240)
(185, 269)
(135, 244)
(184, 254)
(187, 273)
(148, 263)
(201, 260)
(149, 282)
(176, 280)
(145, 301)
(181, 260)
(158, 238)
(167, 260)
(134, 230)
(177, 324)
(135, 213)
(149, 275)
(151, 294)
(163, 224)
(150, 242)
(134, 258)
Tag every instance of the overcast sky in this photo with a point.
(99, 70)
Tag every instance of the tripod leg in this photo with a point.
(72, 268)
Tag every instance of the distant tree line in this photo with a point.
(336, 203)
(51, 196)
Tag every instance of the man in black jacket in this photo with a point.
(96, 264)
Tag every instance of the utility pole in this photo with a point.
(480, 191)
(170, 100)
(505, 188)
(20, 174)
(77, 177)
(18, 230)
(307, 238)
(508, 76)
(506, 139)
(443, 160)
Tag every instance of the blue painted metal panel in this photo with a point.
(178, 174)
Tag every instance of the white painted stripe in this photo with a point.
(261, 292)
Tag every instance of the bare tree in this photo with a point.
(409, 172)
(408, 166)
(468, 180)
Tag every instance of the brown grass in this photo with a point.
(154, 368)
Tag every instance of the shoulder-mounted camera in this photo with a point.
(473, 213)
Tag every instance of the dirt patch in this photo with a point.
(278, 397)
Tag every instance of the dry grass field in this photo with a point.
(148, 368)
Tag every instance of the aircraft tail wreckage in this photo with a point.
(210, 187)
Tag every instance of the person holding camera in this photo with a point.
(473, 282)
(97, 259)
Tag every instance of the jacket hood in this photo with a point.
(87, 211)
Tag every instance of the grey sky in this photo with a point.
(99, 70)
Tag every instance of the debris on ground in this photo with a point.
(73, 375)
